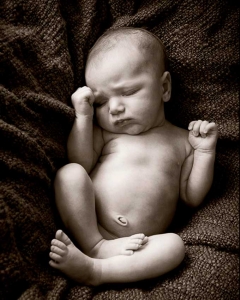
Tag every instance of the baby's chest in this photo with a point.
(156, 154)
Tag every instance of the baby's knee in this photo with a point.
(70, 173)
(178, 247)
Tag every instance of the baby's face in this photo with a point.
(128, 94)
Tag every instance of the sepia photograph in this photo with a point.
(119, 150)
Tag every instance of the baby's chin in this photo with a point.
(132, 129)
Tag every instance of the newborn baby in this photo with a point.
(128, 166)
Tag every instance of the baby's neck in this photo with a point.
(162, 129)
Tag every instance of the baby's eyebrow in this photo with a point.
(101, 95)
(126, 87)
(132, 87)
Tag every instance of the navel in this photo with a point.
(121, 220)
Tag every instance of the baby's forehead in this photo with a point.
(146, 43)
(106, 44)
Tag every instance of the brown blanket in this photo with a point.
(43, 51)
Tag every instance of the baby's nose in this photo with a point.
(116, 106)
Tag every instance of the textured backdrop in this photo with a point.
(43, 52)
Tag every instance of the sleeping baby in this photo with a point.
(128, 166)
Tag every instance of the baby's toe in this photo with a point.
(133, 246)
(140, 241)
(61, 236)
(58, 244)
(54, 264)
(128, 252)
(58, 250)
(55, 257)
(145, 240)
(140, 236)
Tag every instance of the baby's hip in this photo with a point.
(106, 234)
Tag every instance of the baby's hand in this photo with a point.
(82, 101)
(203, 135)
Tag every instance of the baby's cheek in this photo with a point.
(100, 116)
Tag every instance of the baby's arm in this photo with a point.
(85, 140)
(197, 171)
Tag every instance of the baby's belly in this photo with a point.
(134, 200)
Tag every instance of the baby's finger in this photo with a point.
(190, 126)
(203, 128)
(211, 127)
(89, 94)
(196, 128)
(85, 92)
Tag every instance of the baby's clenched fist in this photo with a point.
(203, 135)
(82, 101)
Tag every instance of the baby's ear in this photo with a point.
(167, 86)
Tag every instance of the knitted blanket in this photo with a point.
(44, 45)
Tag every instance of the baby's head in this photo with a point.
(150, 46)
(126, 70)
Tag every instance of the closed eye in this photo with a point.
(130, 92)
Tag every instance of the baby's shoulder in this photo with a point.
(180, 135)
(178, 132)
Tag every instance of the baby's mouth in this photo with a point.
(121, 122)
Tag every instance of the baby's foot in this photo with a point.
(120, 246)
(71, 261)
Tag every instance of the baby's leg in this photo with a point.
(76, 205)
(160, 255)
